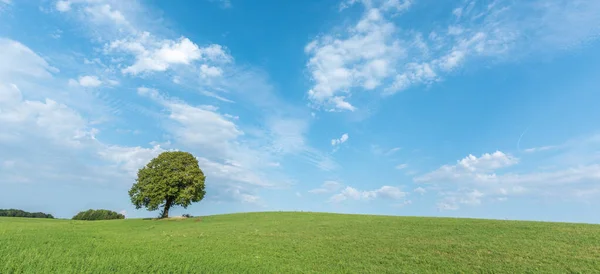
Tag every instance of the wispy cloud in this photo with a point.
(327, 187)
(127, 46)
(225, 4)
(538, 149)
(375, 54)
(401, 166)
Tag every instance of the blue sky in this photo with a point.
(483, 109)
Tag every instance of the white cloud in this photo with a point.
(55, 121)
(113, 82)
(246, 198)
(403, 203)
(208, 71)
(420, 190)
(152, 54)
(487, 161)
(397, 5)
(452, 201)
(394, 5)
(327, 187)
(236, 153)
(18, 61)
(122, 25)
(575, 169)
(105, 13)
(361, 59)
(401, 166)
(341, 140)
(471, 166)
(202, 68)
(379, 151)
(63, 5)
(130, 159)
(457, 12)
(538, 149)
(89, 81)
(225, 155)
(386, 192)
(41, 139)
(392, 151)
(376, 54)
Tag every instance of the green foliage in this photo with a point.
(98, 214)
(286, 242)
(24, 214)
(172, 178)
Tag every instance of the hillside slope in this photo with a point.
(292, 242)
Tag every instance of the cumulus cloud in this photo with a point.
(121, 25)
(385, 192)
(89, 81)
(472, 179)
(362, 59)
(471, 166)
(153, 54)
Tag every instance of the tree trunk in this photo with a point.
(165, 213)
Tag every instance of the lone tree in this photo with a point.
(172, 178)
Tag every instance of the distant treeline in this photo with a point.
(24, 214)
(98, 214)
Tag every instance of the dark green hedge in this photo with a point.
(98, 214)
(24, 214)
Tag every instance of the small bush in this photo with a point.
(98, 214)
(187, 216)
(24, 214)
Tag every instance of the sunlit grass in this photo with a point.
(297, 243)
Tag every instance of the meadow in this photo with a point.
(294, 242)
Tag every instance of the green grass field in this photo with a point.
(297, 243)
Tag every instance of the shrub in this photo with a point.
(98, 214)
(187, 216)
(24, 214)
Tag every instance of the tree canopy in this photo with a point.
(98, 214)
(20, 213)
(173, 178)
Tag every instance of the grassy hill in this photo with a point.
(297, 243)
